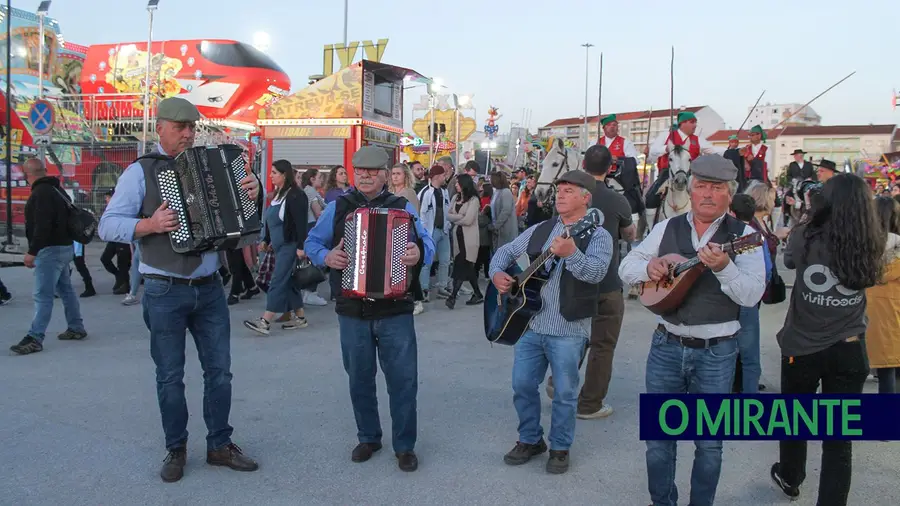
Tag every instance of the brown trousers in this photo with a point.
(605, 328)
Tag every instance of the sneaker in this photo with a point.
(130, 300)
(313, 299)
(789, 490)
(122, 290)
(603, 412)
(558, 462)
(233, 299)
(418, 308)
(443, 293)
(72, 335)
(88, 292)
(475, 300)
(463, 290)
(27, 346)
(259, 325)
(5, 299)
(250, 293)
(523, 452)
(296, 322)
(426, 296)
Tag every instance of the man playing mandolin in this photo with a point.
(693, 349)
(558, 333)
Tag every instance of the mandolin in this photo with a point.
(507, 319)
(662, 297)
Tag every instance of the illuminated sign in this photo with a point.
(382, 136)
(296, 132)
(346, 54)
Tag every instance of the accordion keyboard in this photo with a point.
(170, 191)
(239, 169)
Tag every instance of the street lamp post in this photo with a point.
(488, 145)
(152, 5)
(346, 9)
(42, 10)
(587, 51)
(8, 245)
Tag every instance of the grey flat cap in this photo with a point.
(713, 168)
(371, 157)
(578, 178)
(178, 110)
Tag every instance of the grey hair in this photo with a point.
(760, 193)
(732, 185)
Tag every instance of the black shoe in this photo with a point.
(173, 467)
(88, 291)
(72, 335)
(233, 299)
(226, 278)
(250, 293)
(451, 302)
(27, 346)
(122, 289)
(475, 300)
(231, 456)
(5, 299)
(407, 461)
(523, 452)
(558, 462)
(789, 490)
(364, 451)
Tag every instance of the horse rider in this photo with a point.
(800, 169)
(757, 156)
(623, 168)
(733, 154)
(684, 134)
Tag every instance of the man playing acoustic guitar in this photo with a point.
(693, 349)
(559, 331)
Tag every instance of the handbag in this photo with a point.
(776, 291)
(306, 275)
(81, 224)
(266, 267)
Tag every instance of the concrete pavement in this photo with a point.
(80, 425)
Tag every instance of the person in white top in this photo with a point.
(693, 348)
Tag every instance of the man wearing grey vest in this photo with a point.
(693, 349)
(181, 292)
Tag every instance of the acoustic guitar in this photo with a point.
(506, 316)
(662, 297)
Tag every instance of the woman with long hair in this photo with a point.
(484, 232)
(337, 183)
(883, 303)
(463, 214)
(401, 183)
(311, 182)
(838, 254)
(285, 232)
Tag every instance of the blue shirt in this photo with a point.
(589, 266)
(121, 217)
(318, 241)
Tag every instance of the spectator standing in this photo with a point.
(81, 267)
(121, 269)
(337, 183)
(311, 182)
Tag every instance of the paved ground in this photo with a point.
(79, 422)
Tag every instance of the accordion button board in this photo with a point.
(203, 187)
(375, 240)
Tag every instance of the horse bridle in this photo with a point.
(559, 170)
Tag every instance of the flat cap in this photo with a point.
(178, 110)
(578, 178)
(371, 157)
(713, 168)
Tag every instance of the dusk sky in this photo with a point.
(526, 54)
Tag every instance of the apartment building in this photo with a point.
(638, 126)
(770, 115)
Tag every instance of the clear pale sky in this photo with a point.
(526, 54)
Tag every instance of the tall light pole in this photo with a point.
(42, 10)
(152, 5)
(9, 106)
(346, 11)
(587, 63)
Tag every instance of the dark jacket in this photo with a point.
(46, 215)
(295, 214)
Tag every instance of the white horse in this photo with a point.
(557, 162)
(675, 191)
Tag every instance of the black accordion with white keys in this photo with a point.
(203, 186)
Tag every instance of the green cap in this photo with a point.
(178, 110)
(371, 157)
(608, 119)
(685, 116)
(732, 137)
(759, 130)
(713, 168)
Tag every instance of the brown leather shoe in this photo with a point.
(407, 461)
(173, 467)
(364, 451)
(231, 456)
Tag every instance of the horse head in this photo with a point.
(679, 168)
(557, 162)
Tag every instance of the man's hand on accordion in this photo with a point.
(164, 220)
(337, 258)
(251, 186)
(411, 256)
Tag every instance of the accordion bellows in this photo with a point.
(203, 187)
(375, 239)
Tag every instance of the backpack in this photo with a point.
(81, 224)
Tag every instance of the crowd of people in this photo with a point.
(841, 322)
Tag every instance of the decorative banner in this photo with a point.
(337, 96)
(297, 132)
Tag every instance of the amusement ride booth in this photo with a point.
(322, 126)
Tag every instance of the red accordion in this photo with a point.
(375, 239)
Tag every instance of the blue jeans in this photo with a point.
(394, 339)
(442, 256)
(169, 311)
(135, 274)
(533, 353)
(672, 368)
(51, 277)
(748, 343)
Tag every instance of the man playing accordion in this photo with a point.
(369, 325)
